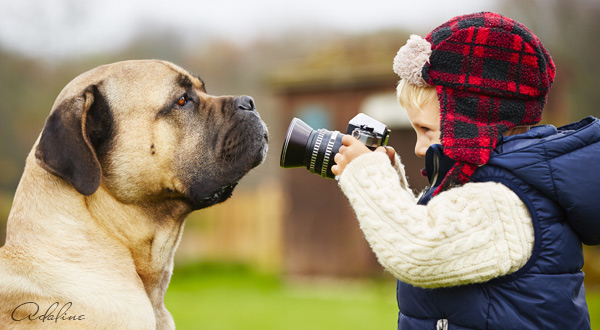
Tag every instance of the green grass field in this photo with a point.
(230, 297)
(593, 300)
(221, 297)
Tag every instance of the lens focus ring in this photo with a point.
(330, 144)
(313, 157)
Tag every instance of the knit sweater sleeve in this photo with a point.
(468, 234)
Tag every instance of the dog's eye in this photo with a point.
(182, 100)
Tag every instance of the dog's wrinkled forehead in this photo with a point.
(186, 79)
(134, 79)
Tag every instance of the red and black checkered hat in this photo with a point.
(491, 74)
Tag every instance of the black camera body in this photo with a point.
(315, 149)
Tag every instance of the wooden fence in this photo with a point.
(247, 228)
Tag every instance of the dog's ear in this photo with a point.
(72, 135)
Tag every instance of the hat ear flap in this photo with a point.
(68, 144)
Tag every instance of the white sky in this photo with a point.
(63, 27)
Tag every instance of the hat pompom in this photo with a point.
(411, 59)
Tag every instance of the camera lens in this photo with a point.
(314, 149)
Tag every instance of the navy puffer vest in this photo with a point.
(555, 173)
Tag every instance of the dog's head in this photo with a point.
(148, 131)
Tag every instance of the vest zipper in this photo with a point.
(434, 176)
(436, 170)
(442, 324)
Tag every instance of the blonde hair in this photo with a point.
(410, 95)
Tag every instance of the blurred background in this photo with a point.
(286, 251)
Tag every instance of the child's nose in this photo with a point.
(421, 148)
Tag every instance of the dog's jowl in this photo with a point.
(128, 151)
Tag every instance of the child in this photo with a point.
(495, 243)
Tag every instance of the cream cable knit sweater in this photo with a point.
(468, 234)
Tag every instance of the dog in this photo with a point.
(128, 150)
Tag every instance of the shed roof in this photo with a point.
(358, 61)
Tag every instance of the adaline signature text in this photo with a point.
(55, 313)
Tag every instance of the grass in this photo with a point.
(224, 297)
(593, 300)
(232, 297)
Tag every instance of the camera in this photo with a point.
(315, 149)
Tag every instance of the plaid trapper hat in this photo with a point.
(491, 74)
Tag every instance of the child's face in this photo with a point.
(426, 122)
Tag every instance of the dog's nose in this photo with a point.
(245, 103)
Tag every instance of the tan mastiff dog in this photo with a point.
(128, 151)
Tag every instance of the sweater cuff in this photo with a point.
(376, 161)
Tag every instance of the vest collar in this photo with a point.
(437, 165)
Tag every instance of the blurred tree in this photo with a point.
(27, 90)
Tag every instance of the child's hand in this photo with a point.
(352, 148)
(391, 152)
